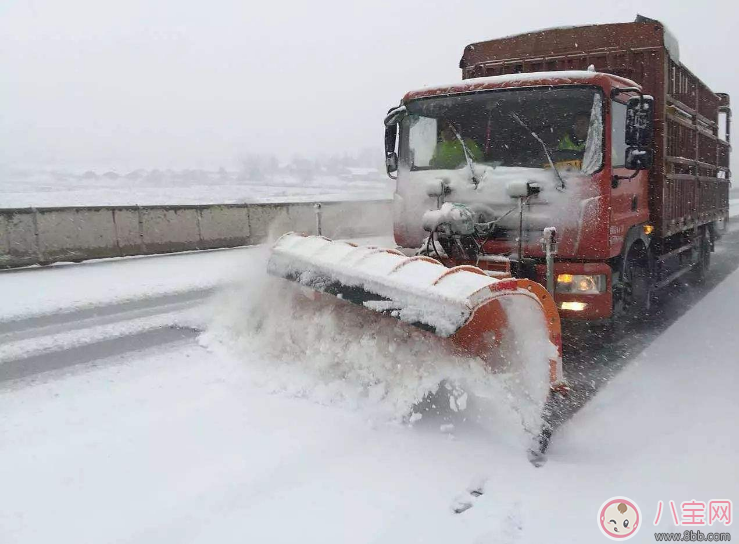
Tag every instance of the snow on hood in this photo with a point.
(491, 199)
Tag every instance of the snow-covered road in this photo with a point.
(140, 431)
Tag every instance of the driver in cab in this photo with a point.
(449, 152)
(575, 138)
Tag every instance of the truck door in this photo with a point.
(629, 204)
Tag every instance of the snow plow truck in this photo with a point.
(570, 175)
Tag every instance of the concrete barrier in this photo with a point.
(47, 235)
(167, 230)
(85, 234)
(19, 235)
(129, 239)
(223, 226)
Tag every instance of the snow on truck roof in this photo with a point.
(562, 77)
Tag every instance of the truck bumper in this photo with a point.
(582, 307)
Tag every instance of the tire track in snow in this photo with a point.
(38, 344)
(82, 317)
(18, 369)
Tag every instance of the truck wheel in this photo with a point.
(703, 260)
(633, 294)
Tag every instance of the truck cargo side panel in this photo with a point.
(696, 182)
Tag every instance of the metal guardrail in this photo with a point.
(46, 235)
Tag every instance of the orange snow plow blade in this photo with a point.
(475, 312)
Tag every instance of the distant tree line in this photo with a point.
(263, 167)
(256, 167)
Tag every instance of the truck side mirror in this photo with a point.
(639, 121)
(391, 157)
(639, 158)
(392, 120)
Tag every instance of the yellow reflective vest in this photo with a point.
(568, 144)
(449, 155)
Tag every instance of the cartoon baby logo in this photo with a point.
(619, 518)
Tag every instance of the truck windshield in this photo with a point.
(438, 132)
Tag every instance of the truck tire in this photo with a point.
(633, 295)
(703, 259)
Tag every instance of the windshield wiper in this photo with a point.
(467, 156)
(544, 146)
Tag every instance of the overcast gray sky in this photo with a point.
(174, 83)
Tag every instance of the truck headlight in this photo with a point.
(578, 284)
(573, 306)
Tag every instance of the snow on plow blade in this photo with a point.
(463, 304)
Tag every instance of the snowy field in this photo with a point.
(211, 435)
(25, 188)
